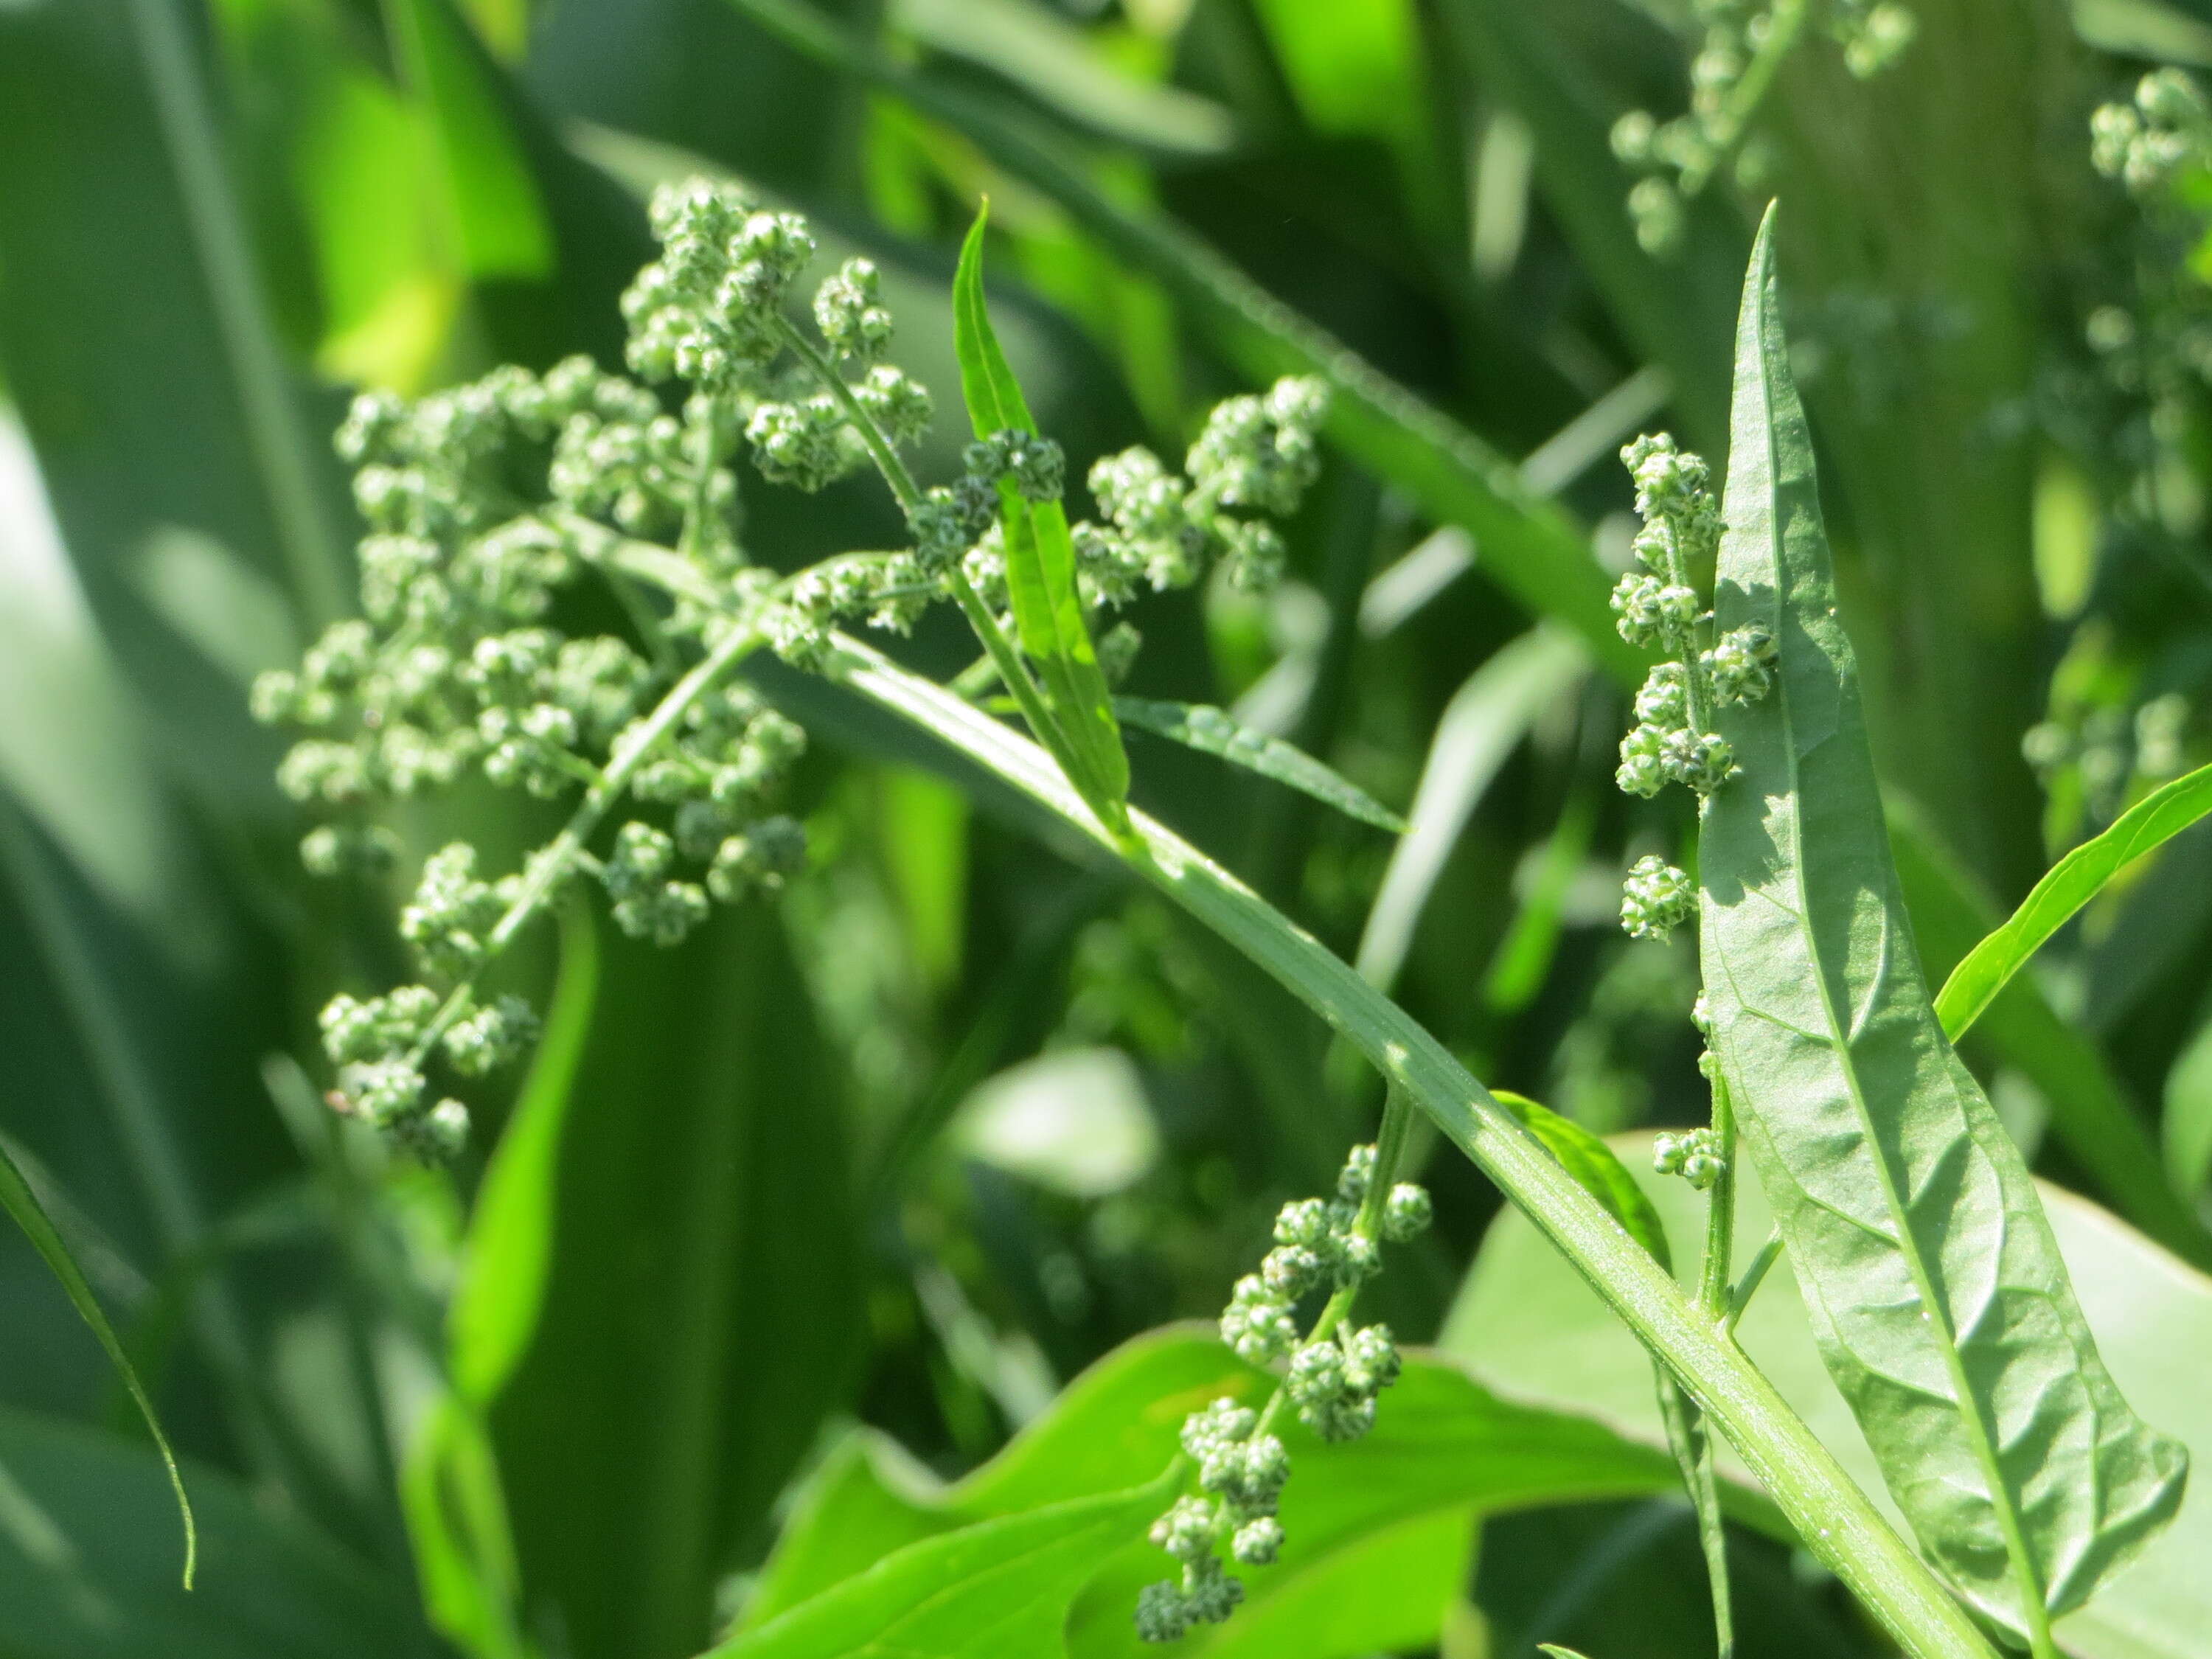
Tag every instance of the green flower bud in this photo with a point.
(1657, 899)
(1737, 664)
(1160, 1614)
(1257, 1322)
(495, 1036)
(330, 850)
(1189, 1530)
(1289, 1270)
(849, 311)
(1694, 1155)
(1352, 1181)
(1405, 1212)
(1258, 1541)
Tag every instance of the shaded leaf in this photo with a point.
(1442, 1446)
(87, 1564)
(2071, 883)
(1479, 728)
(1215, 732)
(22, 1204)
(2090, 1113)
(1938, 1294)
(1595, 1169)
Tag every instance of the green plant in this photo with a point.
(483, 500)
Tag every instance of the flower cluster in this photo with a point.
(1656, 899)
(484, 500)
(1676, 158)
(1656, 605)
(1331, 1381)
(1693, 1154)
(1258, 454)
(2165, 131)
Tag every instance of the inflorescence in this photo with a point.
(1658, 604)
(1740, 46)
(1331, 1379)
(484, 501)
(2166, 131)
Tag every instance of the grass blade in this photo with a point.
(1839, 1525)
(1215, 732)
(20, 1202)
(2071, 883)
(1040, 557)
(1532, 546)
(1937, 1290)
(1479, 730)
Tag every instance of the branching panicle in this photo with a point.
(1331, 1380)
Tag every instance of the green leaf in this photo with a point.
(88, 1567)
(1526, 1324)
(2070, 883)
(999, 1588)
(671, 1309)
(1595, 1170)
(1532, 547)
(2090, 1112)
(1215, 732)
(1444, 1445)
(492, 197)
(1938, 1294)
(1040, 559)
(1480, 727)
(20, 1202)
(1040, 50)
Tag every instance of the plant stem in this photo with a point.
(880, 447)
(1839, 1524)
(1753, 1276)
(1783, 22)
(558, 857)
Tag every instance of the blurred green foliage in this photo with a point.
(809, 1171)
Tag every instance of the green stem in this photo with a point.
(1784, 23)
(1753, 1276)
(881, 450)
(558, 856)
(1840, 1525)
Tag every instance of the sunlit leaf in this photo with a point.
(1939, 1295)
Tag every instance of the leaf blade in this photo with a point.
(2065, 888)
(22, 1204)
(1941, 1305)
(1040, 556)
(1215, 732)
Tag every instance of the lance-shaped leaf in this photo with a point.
(1937, 1294)
(2065, 888)
(1215, 732)
(1040, 564)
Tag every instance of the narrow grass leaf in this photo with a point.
(2065, 888)
(20, 1202)
(1040, 558)
(1937, 1290)
(1215, 732)
(1479, 730)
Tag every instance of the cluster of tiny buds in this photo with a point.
(2165, 131)
(1657, 606)
(1656, 899)
(1693, 1154)
(1331, 1381)
(1676, 156)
